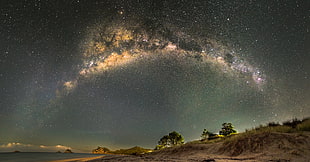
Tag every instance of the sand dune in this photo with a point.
(264, 146)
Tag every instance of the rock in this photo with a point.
(68, 151)
(101, 150)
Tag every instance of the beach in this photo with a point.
(87, 159)
(47, 157)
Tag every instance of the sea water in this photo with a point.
(41, 156)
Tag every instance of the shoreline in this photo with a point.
(79, 159)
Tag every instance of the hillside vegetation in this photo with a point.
(289, 141)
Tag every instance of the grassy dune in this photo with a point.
(272, 142)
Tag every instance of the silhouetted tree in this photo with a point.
(174, 138)
(227, 129)
(164, 141)
(205, 134)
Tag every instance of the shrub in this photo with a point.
(292, 123)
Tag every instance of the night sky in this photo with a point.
(80, 74)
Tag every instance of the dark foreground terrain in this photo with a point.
(262, 146)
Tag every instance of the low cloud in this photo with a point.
(9, 147)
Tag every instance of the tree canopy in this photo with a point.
(172, 139)
(227, 129)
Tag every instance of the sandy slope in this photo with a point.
(280, 147)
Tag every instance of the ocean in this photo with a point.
(41, 156)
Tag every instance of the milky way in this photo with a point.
(83, 74)
(133, 76)
(125, 42)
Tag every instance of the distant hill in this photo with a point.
(131, 151)
(101, 150)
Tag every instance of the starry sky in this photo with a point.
(80, 74)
